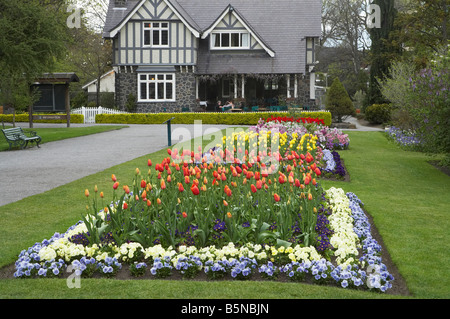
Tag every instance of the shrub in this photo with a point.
(8, 118)
(378, 113)
(338, 102)
(246, 118)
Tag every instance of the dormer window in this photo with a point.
(230, 40)
(156, 34)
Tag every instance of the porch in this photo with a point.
(253, 92)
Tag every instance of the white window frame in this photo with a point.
(229, 47)
(151, 29)
(157, 79)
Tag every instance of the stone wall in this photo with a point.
(126, 84)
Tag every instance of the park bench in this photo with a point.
(16, 137)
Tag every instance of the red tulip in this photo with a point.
(253, 188)
(184, 215)
(195, 190)
(259, 184)
(143, 184)
(180, 187)
(149, 162)
(125, 205)
(276, 197)
(116, 184)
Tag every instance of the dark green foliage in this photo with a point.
(338, 102)
(378, 113)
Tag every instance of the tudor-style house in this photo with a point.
(170, 55)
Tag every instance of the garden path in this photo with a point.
(32, 171)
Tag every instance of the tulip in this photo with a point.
(124, 206)
(310, 197)
(195, 190)
(318, 171)
(95, 189)
(276, 197)
(163, 184)
(259, 184)
(113, 177)
(184, 214)
(116, 184)
(137, 171)
(149, 203)
(143, 184)
(253, 188)
(158, 201)
(180, 187)
(225, 203)
(101, 195)
(149, 162)
(144, 195)
(229, 215)
(86, 192)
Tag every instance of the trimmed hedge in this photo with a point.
(23, 117)
(244, 118)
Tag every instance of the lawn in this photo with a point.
(407, 197)
(61, 133)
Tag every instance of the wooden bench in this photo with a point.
(16, 137)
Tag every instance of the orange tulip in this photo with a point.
(180, 187)
(229, 215)
(253, 188)
(276, 197)
(125, 205)
(184, 214)
(310, 197)
(101, 195)
(113, 177)
(158, 201)
(149, 203)
(225, 203)
(116, 184)
(86, 192)
(149, 162)
(163, 184)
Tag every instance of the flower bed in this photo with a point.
(351, 237)
(406, 139)
(252, 204)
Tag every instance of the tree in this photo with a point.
(422, 27)
(338, 102)
(33, 36)
(382, 52)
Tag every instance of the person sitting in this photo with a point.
(229, 106)
(219, 104)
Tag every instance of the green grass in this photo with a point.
(61, 133)
(407, 197)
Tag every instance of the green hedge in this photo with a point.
(245, 118)
(23, 117)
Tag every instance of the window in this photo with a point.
(156, 34)
(230, 40)
(156, 87)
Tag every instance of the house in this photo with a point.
(107, 85)
(172, 54)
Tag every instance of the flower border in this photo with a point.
(351, 233)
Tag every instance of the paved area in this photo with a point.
(35, 170)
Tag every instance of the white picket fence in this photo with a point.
(90, 113)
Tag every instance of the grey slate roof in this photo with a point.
(281, 24)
